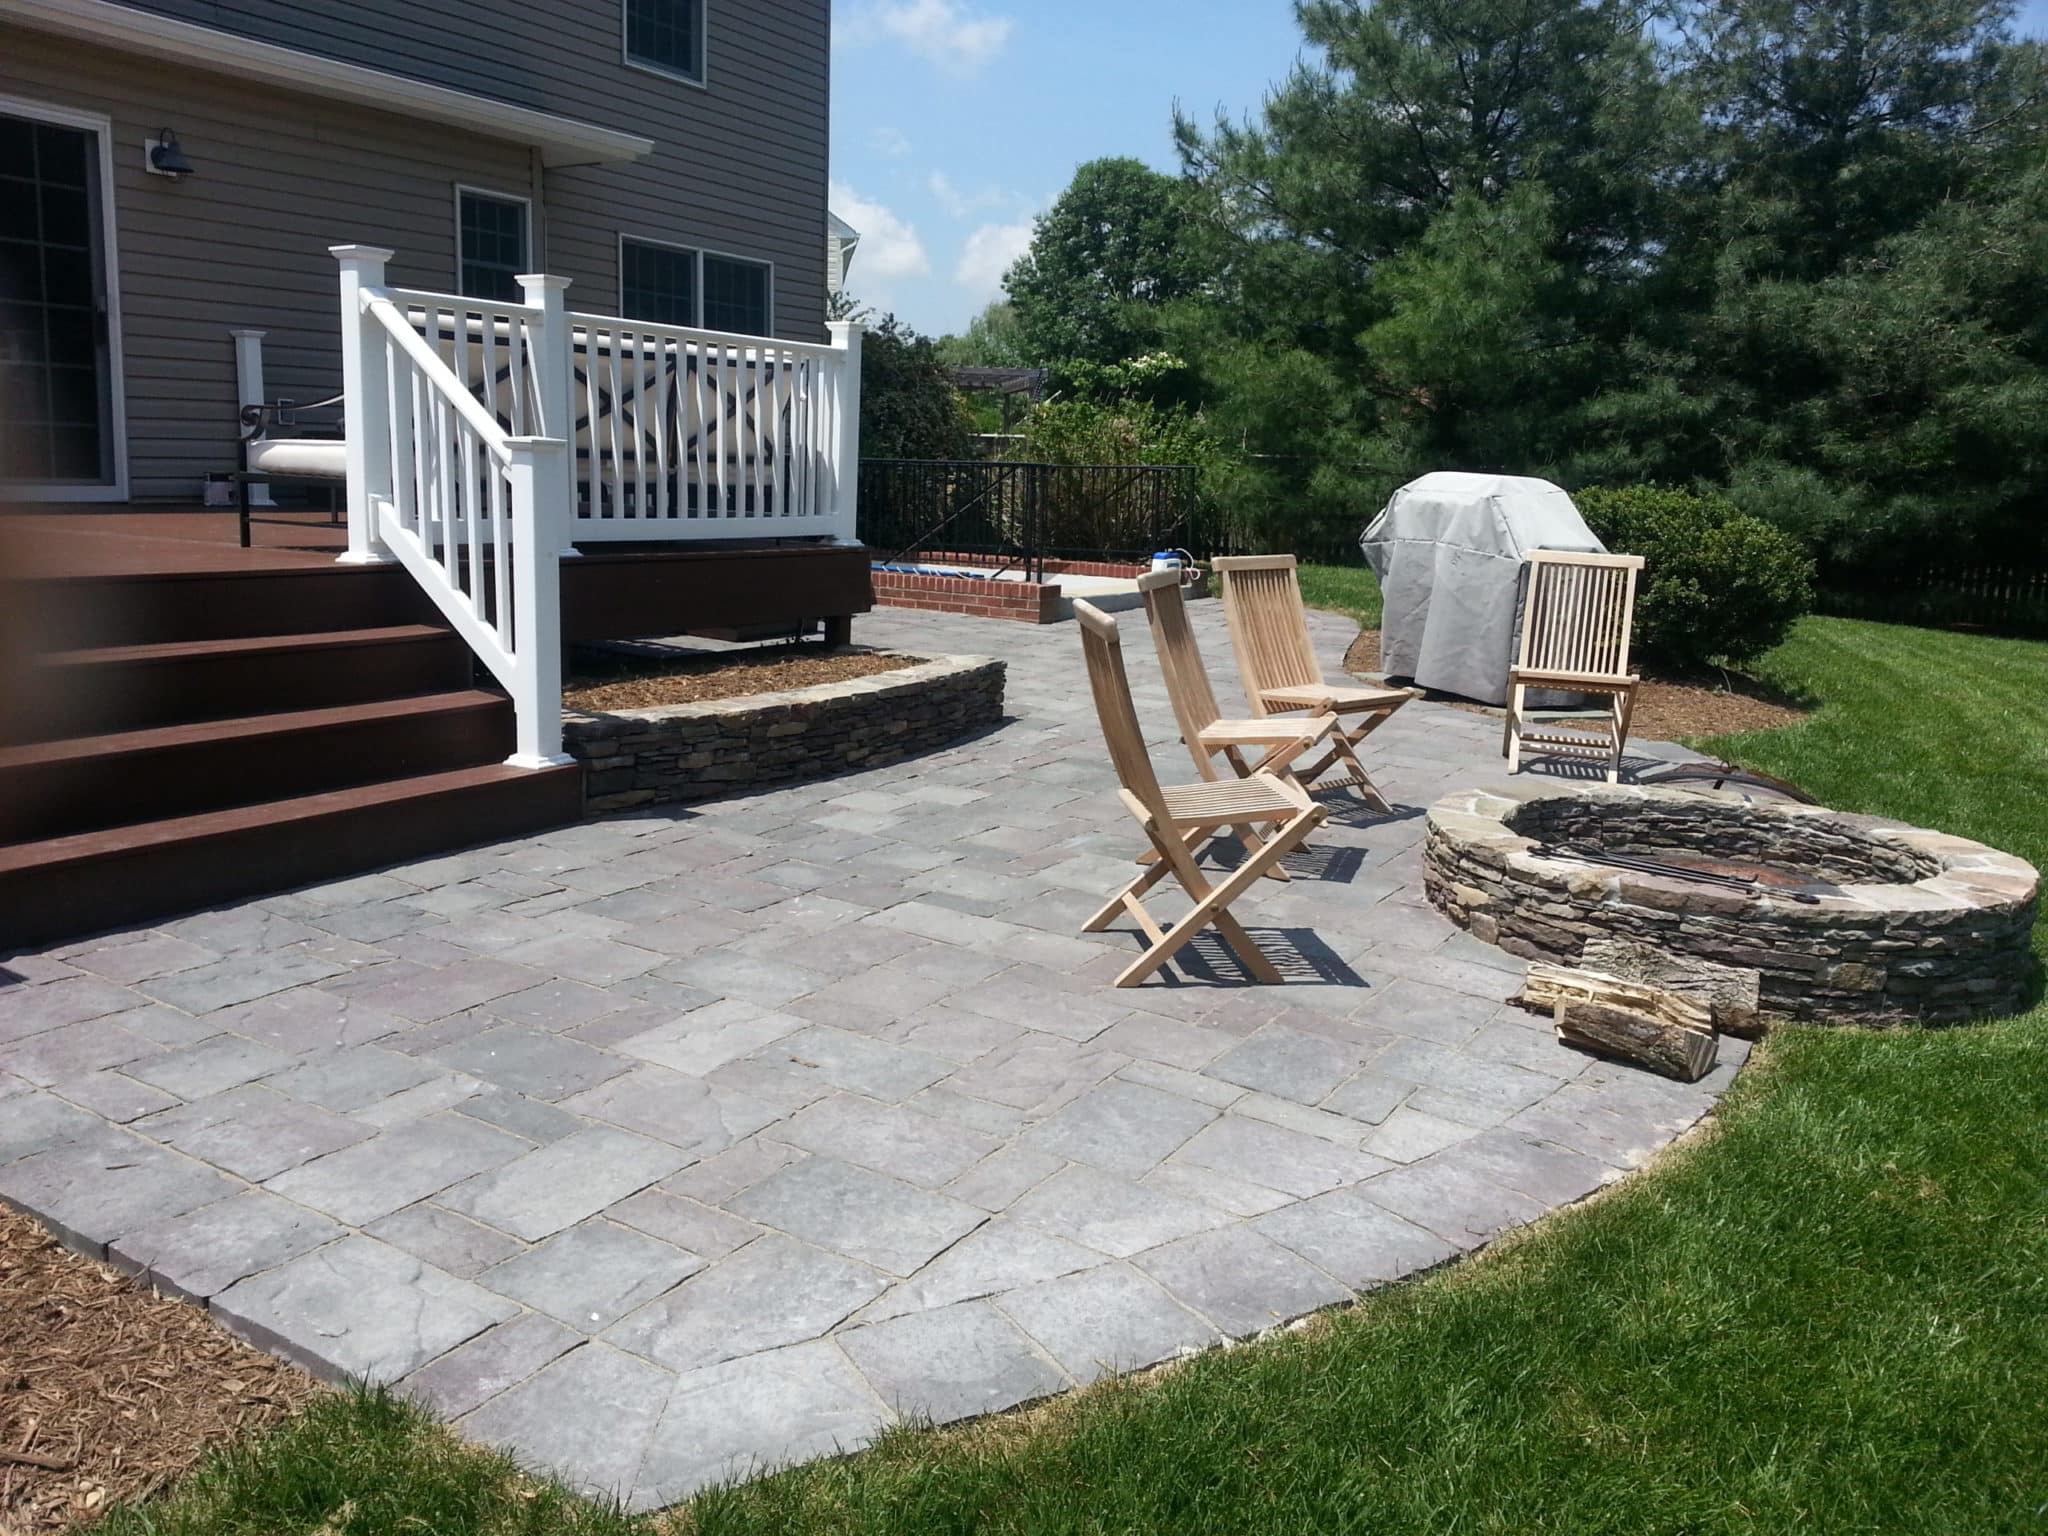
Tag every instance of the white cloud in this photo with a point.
(889, 246)
(988, 253)
(944, 32)
(962, 204)
(889, 142)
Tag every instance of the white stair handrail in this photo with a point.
(476, 515)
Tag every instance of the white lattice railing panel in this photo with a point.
(486, 439)
(683, 434)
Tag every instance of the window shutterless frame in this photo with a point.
(115, 486)
(654, 66)
(698, 255)
(465, 189)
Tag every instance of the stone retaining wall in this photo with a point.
(696, 751)
(1886, 946)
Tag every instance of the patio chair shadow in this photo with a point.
(1297, 954)
(1552, 767)
(1356, 814)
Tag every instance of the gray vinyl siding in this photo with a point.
(739, 164)
(243, 242)
(739, 167)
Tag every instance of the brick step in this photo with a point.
(85, 783)
(72, 612)
(132, 687)
(65, 886)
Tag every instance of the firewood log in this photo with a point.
(1664, 1047)
(1730, 992)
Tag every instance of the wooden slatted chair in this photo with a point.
(1577, 618)
(1179, 818)
(1209, 735)
(1277, 662)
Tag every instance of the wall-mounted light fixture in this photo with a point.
(164, 156)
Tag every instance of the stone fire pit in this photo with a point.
(1906, 924)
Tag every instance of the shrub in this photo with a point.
(1717, 585)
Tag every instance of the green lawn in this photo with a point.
(1828, 1315)
(1347, 589)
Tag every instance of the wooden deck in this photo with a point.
(44, 541)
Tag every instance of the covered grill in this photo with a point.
(1448, 551)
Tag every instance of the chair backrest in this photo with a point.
(1579, 612)
(1111, 685)
(1180, 658)
(1268, 626)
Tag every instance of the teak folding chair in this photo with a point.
(1277, 662)
(1577, 617)
(1179, 818)
(1208, 734)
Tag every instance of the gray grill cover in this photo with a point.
(1448, 552)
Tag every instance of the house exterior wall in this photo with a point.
(739, 167)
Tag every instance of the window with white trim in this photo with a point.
(657, 282)
(675, 285)
(735, 295)
(667, 35)
(492, 244)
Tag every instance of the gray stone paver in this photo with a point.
(359, 1308)
(816, 1097)
(948, 1363)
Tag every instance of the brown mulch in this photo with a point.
(648, 682)
(108, 1391)
(1667, 708)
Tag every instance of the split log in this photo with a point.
(1548, 986)
(1670, 1049)
(1730, 992)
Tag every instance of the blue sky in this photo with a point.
(955, 121)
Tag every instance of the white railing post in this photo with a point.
(534, 471)
(249, 391)
(366, 414)
(844, 448)
(554, 377)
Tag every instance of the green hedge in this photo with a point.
(1717, 585)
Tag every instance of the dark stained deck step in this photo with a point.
(127, 607)
(131, 687)
(84, 783)
(86, 882)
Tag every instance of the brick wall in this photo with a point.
(696, 751)
(1029, 602)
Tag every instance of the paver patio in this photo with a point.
(668, 1146)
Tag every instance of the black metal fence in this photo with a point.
(1025, 513)
(2005, 599)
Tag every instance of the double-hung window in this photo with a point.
(494, 240)
(666, 36)
(676, 285)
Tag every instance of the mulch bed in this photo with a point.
(607, 685)
(108, 1391)
(1667, 708)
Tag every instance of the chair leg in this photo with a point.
(1156, 869)
(1344, 748)
(1212, 904)
(1624, 707)
(1248, 834)
(1512, 730)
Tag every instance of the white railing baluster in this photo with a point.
(699, 420)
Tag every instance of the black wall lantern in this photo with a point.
(167, 157)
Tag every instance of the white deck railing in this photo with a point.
(485, 440)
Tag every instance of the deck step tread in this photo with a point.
(274, 815)
(180, 650)
(253, 729)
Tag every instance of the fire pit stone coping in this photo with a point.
(1912, 924)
